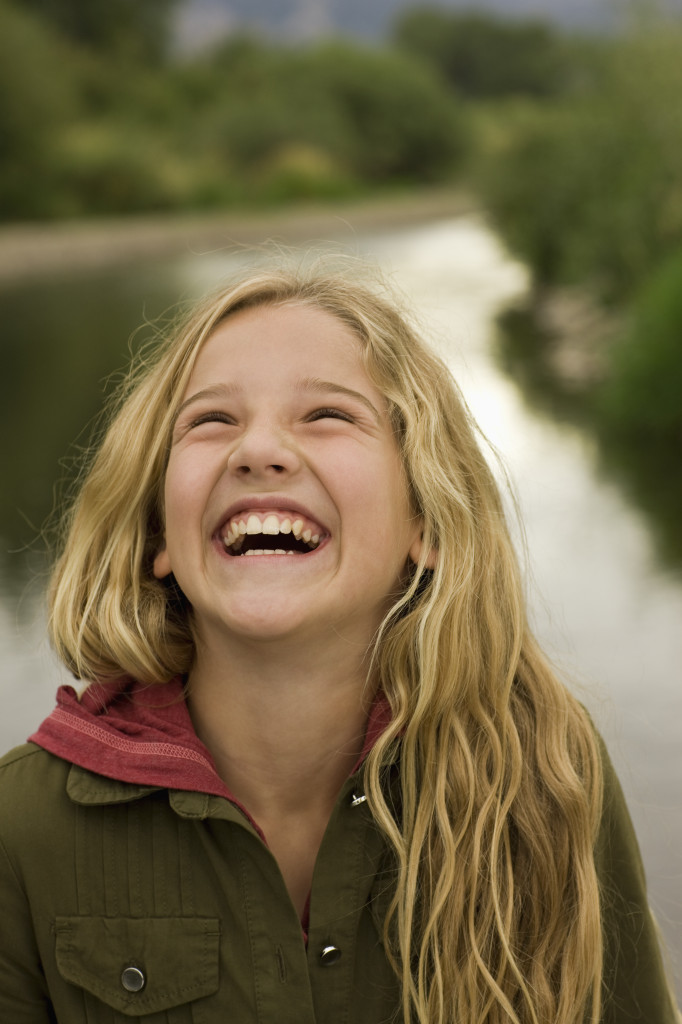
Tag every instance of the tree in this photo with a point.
(589, 188)
(378, 115)
(401, 120)
(137, 28)
(481, 55)
(31, 114)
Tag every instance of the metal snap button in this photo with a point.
(330, 955)
(133, 979)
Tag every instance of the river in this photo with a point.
(606, 610)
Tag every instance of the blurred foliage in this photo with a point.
(589, 187)
(38, 96)
(136, 28)
(482, 55)
(369, 115)
(92, 121)
(643, 395)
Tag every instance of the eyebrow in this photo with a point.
(327, 387)
(217, 391)
(312, 384)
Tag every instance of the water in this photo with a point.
(607, 611)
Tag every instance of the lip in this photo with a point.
(272, 503)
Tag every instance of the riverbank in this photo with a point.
(558, 352)
(45, 248)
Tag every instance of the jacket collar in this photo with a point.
(125, 739)
(130, 732)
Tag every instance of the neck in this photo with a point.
(280, 721)
(285, 729)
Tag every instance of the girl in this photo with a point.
(323, 773)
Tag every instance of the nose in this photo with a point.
(263, 450)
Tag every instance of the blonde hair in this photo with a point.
(494, 907)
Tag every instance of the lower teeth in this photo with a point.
(267, 551)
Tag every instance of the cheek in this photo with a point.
(186, 484)
(382, 501)
(181, 506)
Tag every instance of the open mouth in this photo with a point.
(271, 533)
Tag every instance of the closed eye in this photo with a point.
(330, 413)
(212, 417)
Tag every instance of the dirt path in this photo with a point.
(30, 249)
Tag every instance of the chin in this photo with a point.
(265, 625)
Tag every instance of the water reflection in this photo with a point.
(63, 339)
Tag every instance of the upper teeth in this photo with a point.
(270, 525)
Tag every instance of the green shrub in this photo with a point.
(398, 119)
(377, 115)
(109, 167)
(643, 397)
(590, 188)
(484, 55)
(302, 172)
(38, 99)
(136, 28)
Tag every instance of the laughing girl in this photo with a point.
(319, 771)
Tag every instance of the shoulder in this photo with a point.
(616, 844)
(635, 981)
(32, 793)
(20, 753)
(29, 765)
(617, 853)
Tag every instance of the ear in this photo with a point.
(416, 549)
(162, 564)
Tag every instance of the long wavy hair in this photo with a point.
(494, 915)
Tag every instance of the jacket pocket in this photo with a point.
(140, 965)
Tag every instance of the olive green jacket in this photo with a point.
(119, 901)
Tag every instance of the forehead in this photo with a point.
(281, 339)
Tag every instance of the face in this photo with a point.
(286, 507)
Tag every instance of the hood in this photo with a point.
(143, 734)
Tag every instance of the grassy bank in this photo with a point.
(556, 349)
(45, 248)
